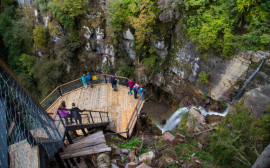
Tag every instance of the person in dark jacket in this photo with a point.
(114, 83)
(76, 114)
(111, 80)
(89, 79)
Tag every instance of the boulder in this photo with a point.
(131, 165)
(143, 166)
(125, 151)
(196, 121)
(214, 107)
(168, 136)
(259, 56)
(182, 138)
(147, 157)
(204, 138)
(257, 100)
(210, 119)
(116, 149)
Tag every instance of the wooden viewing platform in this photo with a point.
(119, 105)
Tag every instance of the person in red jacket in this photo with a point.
(130, 83)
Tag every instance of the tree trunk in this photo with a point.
(263, 161)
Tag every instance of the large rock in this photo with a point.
(143, 166)
(168, 136)
(116, 149)
(147, 157)
(210, 119)
(195, 121)
(131, 165)
(257, 100)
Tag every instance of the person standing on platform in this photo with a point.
(130, 83)
(142, 91)
(114, 83)
(76, 114)
(136, 89)
(111, 80)
(63, 112)
(84, 81)
(89, 78)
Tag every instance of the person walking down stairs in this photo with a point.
(114, 83)
(84, 80)
(89, 79)
(76, 114)
(130, 83)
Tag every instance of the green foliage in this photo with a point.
(204, 77)
(28, 61)
(153, 62)
(107, 68)
(144, 23)
(127, 69)
(130, 144)
(204, 95)
(40, 35)
(65, 49)
(235, 142)
(219, 26)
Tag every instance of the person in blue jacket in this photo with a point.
(84, 81)
(89, 78)
(141, 91)
(114, 83)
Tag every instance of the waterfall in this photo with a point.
(174, 120)
(246, 82)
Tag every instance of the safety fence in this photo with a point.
(75, 84)
(25, 127)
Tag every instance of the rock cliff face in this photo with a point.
(226, 76)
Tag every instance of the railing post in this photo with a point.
(105, 79)
(107, 116)
(60, 91)
(91, 117)
(100, 117)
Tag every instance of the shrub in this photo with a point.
(39, 34)
(204, 77)
(235, 141)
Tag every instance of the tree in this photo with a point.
(40, 38)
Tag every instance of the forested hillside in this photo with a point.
(43, 41)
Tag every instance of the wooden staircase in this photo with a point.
(92, 144)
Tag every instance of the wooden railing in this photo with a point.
(75, 84)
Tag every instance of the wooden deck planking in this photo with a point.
(101, 97)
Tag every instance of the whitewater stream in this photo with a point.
(175, 119)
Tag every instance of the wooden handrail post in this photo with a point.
(105, 79)
(107, 116)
